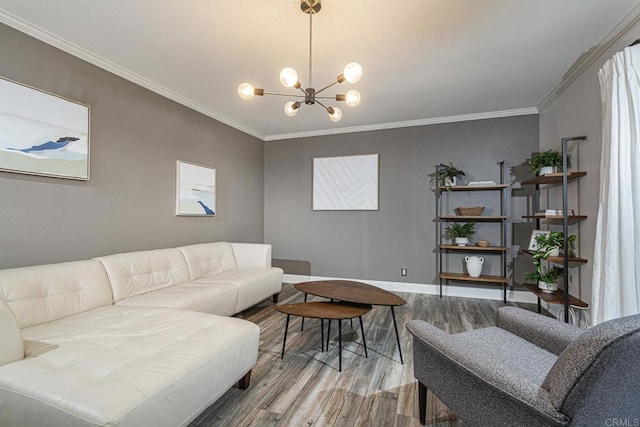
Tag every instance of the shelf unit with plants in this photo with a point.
(450, 225)
(557, 264)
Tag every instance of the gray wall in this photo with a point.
(136, 138)
(374, 245)
(577, 112)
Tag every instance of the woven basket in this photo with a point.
(469, 210)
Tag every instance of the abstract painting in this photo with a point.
(345, 183)
(42, 134)
(195, 190)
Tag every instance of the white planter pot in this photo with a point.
(461, 241)
(474, 265)
(547, 169)
(547, 287)
(449, 182)
(555, 252)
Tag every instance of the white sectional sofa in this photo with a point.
(137, 339)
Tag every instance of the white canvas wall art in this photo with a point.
(195, 190)
(345, 183)
(42, 134)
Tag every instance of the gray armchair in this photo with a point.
(532, 370)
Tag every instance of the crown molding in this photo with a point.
(408, 123)
(583, 64)
(77, 51)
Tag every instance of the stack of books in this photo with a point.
(556, 212)
(482, 183)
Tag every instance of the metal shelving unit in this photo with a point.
(442, 218)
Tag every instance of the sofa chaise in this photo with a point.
(129, 339)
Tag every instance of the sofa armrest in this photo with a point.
(252, 255)
(12, 346)
(545, 332)
(451, 365)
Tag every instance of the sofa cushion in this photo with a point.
(45, 293)
(207, 259)
(136, 273)
(125, 366)
(254, 284)
(219, 298)
(12, 347)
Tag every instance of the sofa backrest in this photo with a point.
(136, 273)
(207, 259)
(597, 377)
(45, 293)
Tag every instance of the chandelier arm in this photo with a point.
(283, 94)
(327, 87)
(326, 97)
(310, 44)
(323, 106)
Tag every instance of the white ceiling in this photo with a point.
(424, 61)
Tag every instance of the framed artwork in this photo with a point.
(195, 190)
(533, 245)
(348, 183)
(42, 134)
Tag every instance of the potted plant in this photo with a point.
(547, 279)
(461, 233)
(551, 244)
(549, 161)
(446, 175)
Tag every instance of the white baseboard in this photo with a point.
(491, 293)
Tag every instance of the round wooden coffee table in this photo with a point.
(356, 292)
(326, 310)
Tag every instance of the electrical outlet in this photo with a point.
(403, 271)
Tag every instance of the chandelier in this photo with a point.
(289, 78)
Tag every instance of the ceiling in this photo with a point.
(424, 61)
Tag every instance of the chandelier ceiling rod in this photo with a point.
(289, 78)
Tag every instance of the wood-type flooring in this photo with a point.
(306, 389)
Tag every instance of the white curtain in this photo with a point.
(616, 268)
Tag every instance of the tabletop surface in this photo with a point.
(351, 291)
(325, 310)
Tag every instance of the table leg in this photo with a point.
(364, 341)
(302, 325)
(395, 326)
(328, 333)
(340, 344)
(322, 334)
(539, 306)
(284, 341)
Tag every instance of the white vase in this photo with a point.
(547, 287)
(555, 252)
(547, 169)
(461, 241)
(474, 265)
(449, 182)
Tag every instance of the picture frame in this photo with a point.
(42, 133)
(195, 189)
(346, 183)
(533, 245)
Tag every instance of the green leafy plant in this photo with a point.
(446, 171)
(547, 158)
(466, 229)
(547, 244)
(548, 276)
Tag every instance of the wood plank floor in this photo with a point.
(306, 389)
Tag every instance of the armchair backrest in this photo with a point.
(597, 377)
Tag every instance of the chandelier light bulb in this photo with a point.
(352, 72)
(336, 115)
(352, 98)
(288, 77)
(291, 108)
(245, 90)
